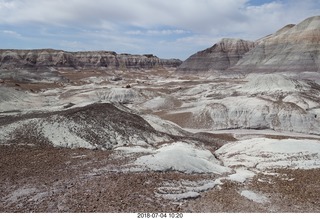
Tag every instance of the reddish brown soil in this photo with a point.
(45, 179)
(65, 180)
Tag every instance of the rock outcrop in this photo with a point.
(220, 56)
(12, 59)
(294, 48)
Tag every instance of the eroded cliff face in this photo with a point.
(294, 48)
(10, 59)
(220, 56)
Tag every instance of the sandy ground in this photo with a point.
(46, 179)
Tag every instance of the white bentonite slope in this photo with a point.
(183, 157)
(162, 125)
(264, 153)
(269, 83)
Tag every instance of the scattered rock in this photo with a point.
(116, 78)
(68, 105)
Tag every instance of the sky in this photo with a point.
(166, 28)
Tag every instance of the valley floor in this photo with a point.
(154, 141)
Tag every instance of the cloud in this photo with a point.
(190, 14)
(144, 25)
(11, 33)
(211, 16)
(157, 32)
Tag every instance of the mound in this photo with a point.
(120, 95)
(183, 157)
(94, 126)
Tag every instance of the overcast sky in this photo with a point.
(166, 28)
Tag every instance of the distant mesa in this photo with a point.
(13, 59)
(293, 48)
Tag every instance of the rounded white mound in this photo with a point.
(121, 95)
(264, 153)
(183, 157)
